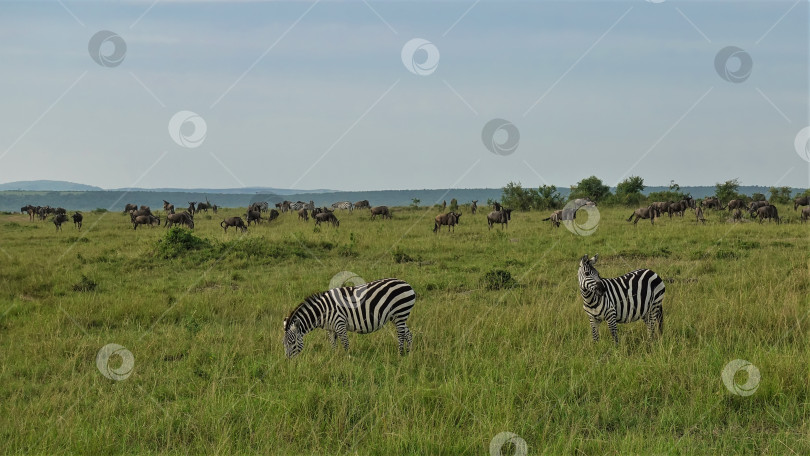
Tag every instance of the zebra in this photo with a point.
(297, 206)
(624, 299)
(345, 205)
(363, 309)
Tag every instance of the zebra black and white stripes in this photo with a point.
(345, 205)
(363, 309)
(635, 295)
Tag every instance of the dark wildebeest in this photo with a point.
(555, 217)
(326, 217)
(474, 207)
(380, 210)
(678, 208)
(235, 222)
(58, 220)
(502, 216)
(768, 212)
(699, 215)
(183, 218)
(712, 202)
(77, 220)
(273, 215)
(496, 206)
(191, 208)
(168, 207)
(801, 201)
(805, 214)
(203, 206)
(735, 204)
(754, 206)
(145, 220)
(253, 216)
(444, 204)
(31, 210)
(130, 207)
(303, 215)
(450, 219)
(60, 210)
(660, 207)
(363, 204)
(214, 208)
(737, 215)
(643, 213)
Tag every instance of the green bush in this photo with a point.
(178, 240)
(498, 279)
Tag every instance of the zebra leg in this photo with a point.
(611, 320)
(651, 320)
(332, 338)
(404, 335)
(594, 328)
(660, 319)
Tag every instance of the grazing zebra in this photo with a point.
(363, 309)
(297, 206)
(623, 299)
(345, 205)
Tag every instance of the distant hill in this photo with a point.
(48, 185)
(227, 191)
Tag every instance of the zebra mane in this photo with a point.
(301, 304)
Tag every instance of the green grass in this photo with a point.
(202, 314)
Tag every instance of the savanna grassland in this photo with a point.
(203, 315)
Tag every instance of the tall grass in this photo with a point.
(501, 342)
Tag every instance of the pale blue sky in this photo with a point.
(301, 96)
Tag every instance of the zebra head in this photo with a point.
(589, 281)
(293, 339)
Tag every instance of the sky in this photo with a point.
(376, 95)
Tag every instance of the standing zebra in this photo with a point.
(345, 205)
(624, 299)
(363, 308)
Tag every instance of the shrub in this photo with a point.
(498, 279)
(178, 240)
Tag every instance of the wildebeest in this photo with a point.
(502, 216)
(203, 206)
(555, 217)
(450, 219)
(380, 210)
(60, 210)
(273, 215)
(191, 208)
(754, 205)
(679, 207)
(643, 213)
(805, 214)
(737, 215)
(474, 207)
(303, 215)
(77, 220)
(253, 216)
(699, 215)
(235, 222)
(31, 210)
(130, 207)
(214, 208)
(661, 207)
(168, 207)
(58, 220)
(496, 206)
(363, 204)
(183, 218)
(328, 217)
(712, 202)
(801, 201)
(145, 220)
(735, 204)
(768, 212)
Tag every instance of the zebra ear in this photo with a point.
(583, 260)
(595, 257)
